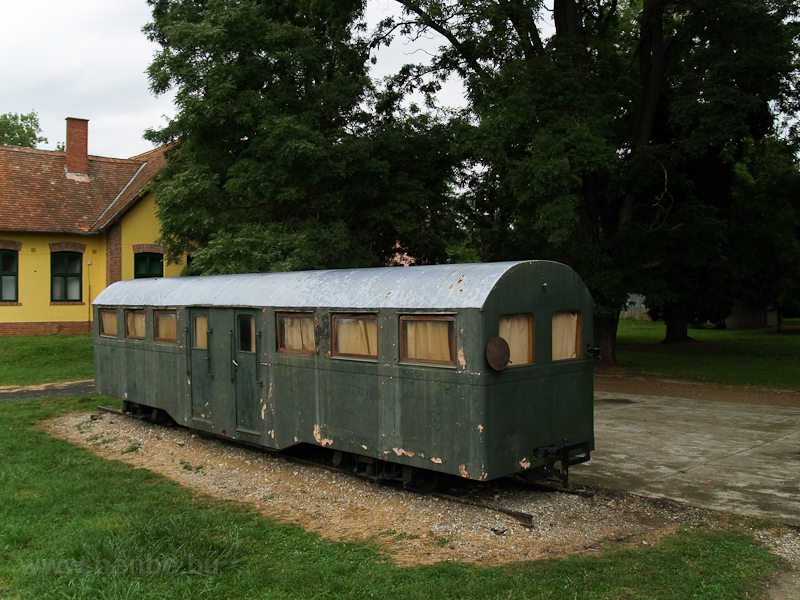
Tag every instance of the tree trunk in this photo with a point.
(677, 321)
(605, 339)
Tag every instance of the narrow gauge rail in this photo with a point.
(523, 518)
(478, 371)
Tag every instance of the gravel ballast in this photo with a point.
(412, 529)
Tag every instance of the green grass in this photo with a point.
(752, 357)
(34, 359)
(745, 357)
(73, 525)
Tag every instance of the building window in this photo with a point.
(566, 335)
(148, 264)
(8, 275)
(134, 324)
(517, 330)
(296, 333)
(428, 339)
(165, 326)
(108, 322)
(66, 270)
(355, 336)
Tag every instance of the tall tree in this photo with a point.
(279, 162)
(765, 220)
(603, 144)
(20, 130)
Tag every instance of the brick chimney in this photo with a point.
(78, 146)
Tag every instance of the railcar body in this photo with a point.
(476, 370)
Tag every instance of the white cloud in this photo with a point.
(85, 59)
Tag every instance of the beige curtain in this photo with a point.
(108, 322)
(566, 335)
(517, 330)
(428, 340)
(297, 333)
(134, 324)
(166, 325)
(357, 336)
(201, 331)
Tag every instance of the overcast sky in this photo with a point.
(87, 59)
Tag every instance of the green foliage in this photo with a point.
(611, 144)
(139, 535)
(28, 360)
(20, 130)
(278, 164)
(765, 219)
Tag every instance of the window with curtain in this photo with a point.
(517, 330)
(9, 273)
(247, 333)
(108, 322)
(134, 324)
(165, 326)
(428, 339)
(66, 276)
(296, 333)
(200, 331)
(566, 335)
(148, 264)
(355, 336)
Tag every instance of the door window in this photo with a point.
(200, 330)
(247, 333)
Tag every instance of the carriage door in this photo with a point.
(246, 347)
(201, 366)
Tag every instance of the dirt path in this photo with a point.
(621, 381)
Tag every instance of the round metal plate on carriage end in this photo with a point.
(498, 353)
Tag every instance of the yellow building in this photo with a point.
(71, 224)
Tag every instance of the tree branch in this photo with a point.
(526, 31)
(425, 20)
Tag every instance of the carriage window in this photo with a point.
(355, 336)
(108, 322)
(200, 330)
(517, 330)
(247, 333)
(165, 323)
(428, 339)
(566, 335)
(296, 333)
(134, 324)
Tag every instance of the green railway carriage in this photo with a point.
(476, 370)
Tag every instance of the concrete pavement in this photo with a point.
(738, 458)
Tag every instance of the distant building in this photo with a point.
(70, 225)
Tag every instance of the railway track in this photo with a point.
(460, 491)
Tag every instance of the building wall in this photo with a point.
(34, 313)
(140, 227)
(107, 257)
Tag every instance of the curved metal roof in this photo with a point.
(434, 286)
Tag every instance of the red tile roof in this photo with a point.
(36, 194)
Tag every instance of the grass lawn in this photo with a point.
(750, 357)
(73, 525)
(746, 357)
(26, 360)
